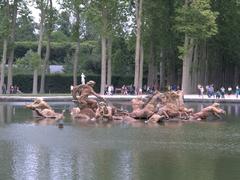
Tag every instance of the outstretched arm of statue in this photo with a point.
(34, 106)
(218, 111)
(29, 106)
(98, 96)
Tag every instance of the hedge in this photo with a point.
(60, 83)
(58, 52)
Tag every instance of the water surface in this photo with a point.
(31, 149)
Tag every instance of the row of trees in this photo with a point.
(181, 42)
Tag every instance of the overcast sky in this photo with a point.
(35, 12)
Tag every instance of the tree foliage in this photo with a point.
(5, 19)
(30, 61)
(197, 20)
(25, 24)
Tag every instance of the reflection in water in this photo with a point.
(124, 169)
(229, 109)
(60, 165)
(199, 151)
(6, 113)
(45, 121)
(26, 162)
(2, 114)
(201, 107)
(84, 165)
(10, 112)
(237, 110)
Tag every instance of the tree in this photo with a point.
(49, 22)
(76, 7)
(160, 40)
(226, 43)
(138, 44)
(13, 15)
(25, 26)
(4, 32)
(107, 16)
(42, 5)
(31, 61)
(64, 24)
(198, 22)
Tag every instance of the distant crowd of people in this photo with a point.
(208, 90)
(12, 90)
(128, 90)
(211, 91)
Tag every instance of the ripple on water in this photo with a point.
(170, 151)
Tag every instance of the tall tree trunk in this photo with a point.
(161, 74)
(206, 70)
(44, 65)
(187, 64)
(103, 65)
(151, 66)
(138, 42)
(41, 30)
(75, 63)
(194, 69)
(104, 50)
(4, 59)
(47, 54)
(12, 41)
(187, 61)
(171, 67)
(141, 67)
(201, 62)
(39, 50)
(77, 51)
(10, 70)
(35, 81)
(109, 61)
(236, 75)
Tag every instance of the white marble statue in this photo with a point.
(83, 78)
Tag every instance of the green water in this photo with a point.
(32, 150)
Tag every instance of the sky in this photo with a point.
(36, 12)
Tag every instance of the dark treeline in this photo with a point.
(167, 42)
